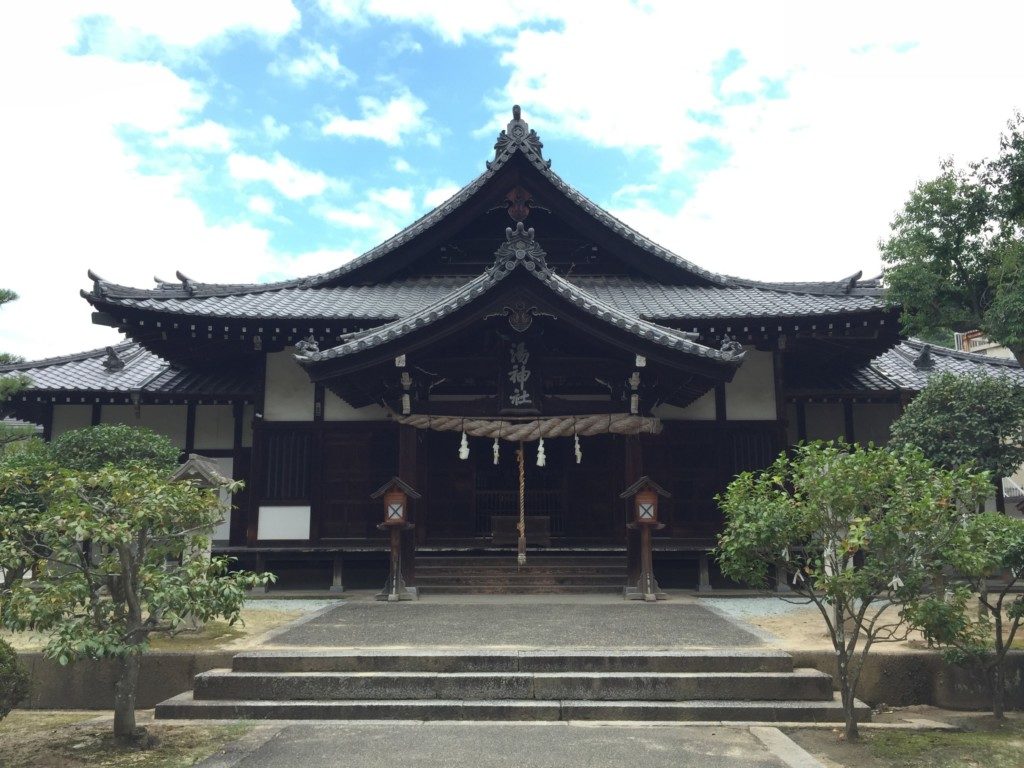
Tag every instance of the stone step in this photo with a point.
(185, 706)
(513, 589)
(520, 579)
(513, 568)
(803, 684)
(693, 660)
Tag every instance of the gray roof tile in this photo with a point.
(143, 371)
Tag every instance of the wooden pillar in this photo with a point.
(408, 471)
(704, 576)
(190, 428)
(801, 421)
(97, 414)
(849, 434)
(633, 462)
(337, 585)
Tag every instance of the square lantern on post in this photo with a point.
(645, 494)
(396, 494)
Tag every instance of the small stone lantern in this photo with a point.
(645, 494)
(396, 494)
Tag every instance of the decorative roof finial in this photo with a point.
(113, 361)
(518, 135)
(520, 248)
(923, 361)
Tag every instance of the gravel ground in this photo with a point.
(752, 607)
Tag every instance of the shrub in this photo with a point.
(14, 684)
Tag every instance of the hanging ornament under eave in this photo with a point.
(542, 458)
(496, 451)
(464, 447)
(579, 450)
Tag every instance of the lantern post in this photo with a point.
(645, 494)
(396, 494)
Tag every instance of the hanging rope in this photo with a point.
(521, 526)
(528, 428)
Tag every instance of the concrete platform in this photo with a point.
(539, 622)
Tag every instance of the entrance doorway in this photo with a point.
(465, 500)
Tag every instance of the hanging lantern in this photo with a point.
(495, 450)
(464, 447)
(542, 458)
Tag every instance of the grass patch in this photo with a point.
(31, 739)
(985, 743)
(215, 635)
(993, 746)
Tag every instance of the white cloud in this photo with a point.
(401, 165)
(190, 23)
(393, 198)
(291, 180)
(389, 122)
(207, 136)
(73, 196)
(261, 205)
(452, 20)
(379, 214)
(275, 131)
(316, 62)
(434, 197)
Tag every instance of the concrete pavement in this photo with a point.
(510, 745)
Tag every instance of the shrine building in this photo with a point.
(517, 357)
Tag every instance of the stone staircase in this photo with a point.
(691, 685)
(542, 574)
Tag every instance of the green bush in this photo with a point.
(13, 680)
(89, 449)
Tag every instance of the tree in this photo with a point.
(967, 420)
(956, 253)
(31, 463)
(14, 682)
(987, 545)
(9, 384)
(123, 549)
(859, 529)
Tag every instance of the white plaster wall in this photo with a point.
(291, 523)
(825, 421)
(68, 417)
(751, 393)
(215, 426)
(701, 409)
(871, 421)
(288, 393)
(167, 420)
(336, 409)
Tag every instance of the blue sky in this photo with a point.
(258, 139)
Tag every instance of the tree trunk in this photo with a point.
(849, 711)
(124, 697)
(998, 691)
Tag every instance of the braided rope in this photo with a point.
(521, 459)
(520, 429)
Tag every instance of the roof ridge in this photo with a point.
(974, 357)
(77, 356)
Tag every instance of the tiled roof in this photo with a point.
(520, 251)
(902, 368)
(516, 139)
(142, 371)
(898, 364)
(403, 298)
